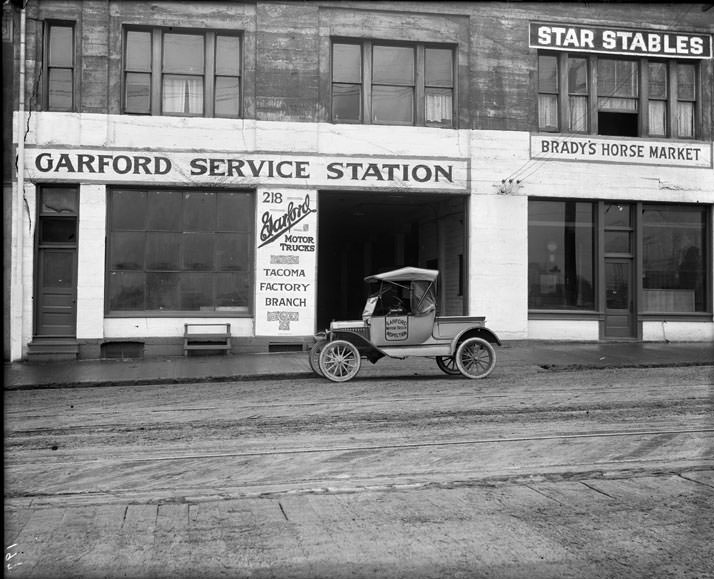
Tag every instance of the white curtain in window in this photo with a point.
(578, 114)
(685, 119)
(617, 104)
(438, 108)
(183, 95)
(658, 116)
(548, 111)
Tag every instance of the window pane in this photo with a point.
(199, 212)
(438, 106)
(439, 67)
(162, 291)
(658, 118)
(60, 89)
(578, 114)
(128, 209)
(227, 96)
(126, 291)
(163, 207)
(138, 51)
(57, 200)
(162, 251)
(392, 104)
(197, 251)
(393, 65)
(196, 292)
(578, 75)
(235, 212)
(58, 230)
(548, 112)
(346, 102)
(183, 53)
(617, 215)
(61, 46)
(686, 82)
(560, 255)
(617, 78)
(685, 119)
(674, 242)
(228, 55)
(138, 93)
(233, 291)
(657, 80)
(127, 250)
(347, 63)
(183, 94)
(547, 73)
(233, 252)
(617, 242)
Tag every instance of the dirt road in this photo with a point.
(587, 474)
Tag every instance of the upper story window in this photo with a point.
(186, 73)
(617, 96)
(59, 67)
(390, 84)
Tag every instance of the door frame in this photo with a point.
(632, 256)
(40, 247)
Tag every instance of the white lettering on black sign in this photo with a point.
(576, 38)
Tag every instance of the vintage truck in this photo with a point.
(399, 320)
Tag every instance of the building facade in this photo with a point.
(174, 163)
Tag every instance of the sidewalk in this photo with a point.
(224, 368)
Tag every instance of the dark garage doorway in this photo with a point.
(362, 233)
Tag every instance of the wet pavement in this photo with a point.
(552, 356)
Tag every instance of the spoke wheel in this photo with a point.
(315, 357)
(447, 364)
(475, 358)
(339, 361)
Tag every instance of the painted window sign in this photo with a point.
(559, 36)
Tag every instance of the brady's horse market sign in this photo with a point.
(247, 169)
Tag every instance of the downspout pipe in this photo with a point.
(18, 285)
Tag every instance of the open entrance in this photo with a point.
(364, 233)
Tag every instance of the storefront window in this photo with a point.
(674, 258)
(560, 255)
(180, 251)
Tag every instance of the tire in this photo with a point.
(339, 360)
(447, 364)
(315, 357)
(475, 358)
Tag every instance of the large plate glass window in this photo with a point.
(561, 255)
(186, 73)
(177, 251)
(674, 239)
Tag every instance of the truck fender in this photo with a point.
(483, 333)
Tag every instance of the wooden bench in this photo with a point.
(206, 337)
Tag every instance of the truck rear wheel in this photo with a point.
(315, 357)
(447, 364)
(475, 358)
